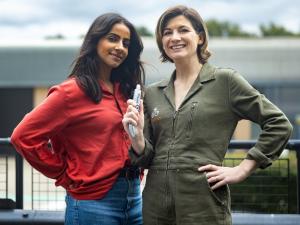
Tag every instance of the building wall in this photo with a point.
(271, 65)
(39, 94)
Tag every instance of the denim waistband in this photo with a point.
(130, 172)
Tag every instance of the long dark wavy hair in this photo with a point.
(87, 64)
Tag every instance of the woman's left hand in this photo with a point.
(218, 176)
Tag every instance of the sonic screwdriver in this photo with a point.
(137, 100)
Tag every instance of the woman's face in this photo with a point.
(179, 39)
(112, 49)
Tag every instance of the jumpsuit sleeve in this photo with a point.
(31, 136)
(248, 103)
(144, 160)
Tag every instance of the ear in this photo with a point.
(201, 39)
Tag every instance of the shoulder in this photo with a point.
(161, 83)
(224, 72)
(68, 88)
(234, 80)
(157, 85)
(229, 75)
(69, 85)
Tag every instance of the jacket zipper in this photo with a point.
(190, 122)
(173, 138)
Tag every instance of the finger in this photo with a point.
(142, 107)
(218, 185)
(127, 121)
(208, 167)
(131, 102)
(131, 108)
(132, 116)
(213, 174)
(214, 179)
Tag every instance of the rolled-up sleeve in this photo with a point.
(248, 103)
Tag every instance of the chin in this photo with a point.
(115, 64)
(178, 57)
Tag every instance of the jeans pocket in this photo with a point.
(71, 214)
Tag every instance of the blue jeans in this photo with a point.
(122, 205)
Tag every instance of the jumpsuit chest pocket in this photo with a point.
(191, 113)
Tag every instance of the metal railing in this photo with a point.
(292, 145)
(271, 190)
(26, 217)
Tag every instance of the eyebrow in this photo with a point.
(111, 33)
(182, 26)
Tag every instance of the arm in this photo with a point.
(141, 153)
(30, 138)
(248, 103)
(221, 175)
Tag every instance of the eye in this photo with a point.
(112, 38)
(183, 30)
(167, 32)
(126, 43)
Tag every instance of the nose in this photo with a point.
(120, 46)
(175, 36)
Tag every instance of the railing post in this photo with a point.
(19, 181)
(297, 149)
(298, 180)
(19, 174)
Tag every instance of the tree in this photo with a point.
(143, 31)
(275, 30)
(225, 29)
(55, 37)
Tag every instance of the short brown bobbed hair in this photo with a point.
(197, 22)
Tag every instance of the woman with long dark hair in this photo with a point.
(75, 135)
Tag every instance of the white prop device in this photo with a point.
(137, 100)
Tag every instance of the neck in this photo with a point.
(187, 69)
(105, 74)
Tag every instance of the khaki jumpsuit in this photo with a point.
(198, 133)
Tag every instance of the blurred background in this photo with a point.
(258, 38)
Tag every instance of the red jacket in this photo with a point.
(89, 143)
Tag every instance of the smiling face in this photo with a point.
(179, 39)
(112, 49)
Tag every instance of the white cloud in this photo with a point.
(36, 19)
(20, 13)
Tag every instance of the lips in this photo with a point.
(177, 46)
(117, 56)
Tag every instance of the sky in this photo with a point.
(36, 19)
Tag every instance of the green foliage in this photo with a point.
(275, 30)
(143, 31)
(225, 29)
(55, 37)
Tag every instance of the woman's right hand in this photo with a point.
(135, 118)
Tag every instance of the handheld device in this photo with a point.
(137, 100)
